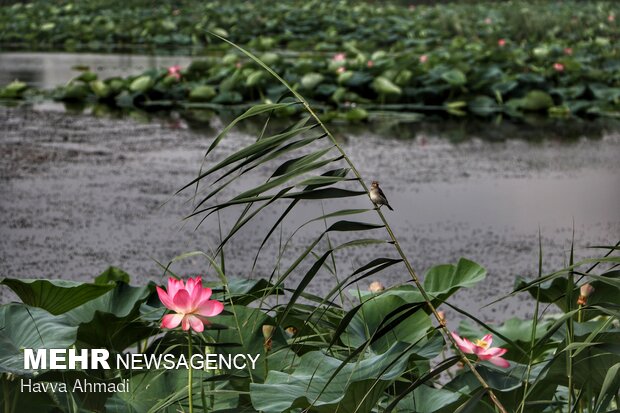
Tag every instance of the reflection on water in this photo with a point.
(48, 70)
(532, 129)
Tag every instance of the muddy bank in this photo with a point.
(79, 193)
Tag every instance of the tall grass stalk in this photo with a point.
(389, 230)
(530, 360)
(190, 381)
(570, 327)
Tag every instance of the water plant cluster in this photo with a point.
(351, 60)
(301, 25)
(383, 354)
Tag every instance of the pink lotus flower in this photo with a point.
(568, 51)
(339, 57)
(341, 69)
(190, 303)
(611, 18)
(423, 59)
(175, 71)
(488, 20)
(559, 67)
(501, 42)
(238, 65)
(370, 63)
(482, 348)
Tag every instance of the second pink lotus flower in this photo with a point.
(175, 72)
(190, 302)
(482, 348)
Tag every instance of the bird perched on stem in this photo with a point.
(377, 196)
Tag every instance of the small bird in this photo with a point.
(377, 196)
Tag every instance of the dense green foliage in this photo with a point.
(302, 25)
(351, 60)
(383, 353)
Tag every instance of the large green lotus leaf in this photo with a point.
(228, 97)
(13, 90)
(604, 92)
(535, 100)
(569, 93)
(311, 80)
(74, 92)
(245, 335)
(40, 402)
(141, 84)
(203, 93)
(407, 292)
(427, 399)
(55, 296)
(358, 79)
(149, 388)
(384, 86)
(121, 301)
(486, 76)
(442, 281)
(87, 400)
(112, 275)
(580, 105)
(254, 78)
(113, 320)
(507, 385)
(554, 292)
(244, 291)
(369, 318)
(351, 388)
(454, 77)
(589, 366)
(115, 333)
(22, 327)
(483, 106)
(505, 87)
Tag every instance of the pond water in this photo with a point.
(79, 193)
(48, 70)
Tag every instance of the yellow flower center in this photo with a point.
(482, 343)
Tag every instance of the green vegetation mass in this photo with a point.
(350, 59)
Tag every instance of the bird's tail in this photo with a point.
(390, 208)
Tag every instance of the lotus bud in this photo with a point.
(268, 332)
(584, 293)
(291, 331)
(442, 317)
(376, 287)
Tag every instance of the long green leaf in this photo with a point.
(55, 296)
(253, 111)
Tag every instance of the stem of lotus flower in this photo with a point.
(7, 392)
(580, 405)
(189, 373)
